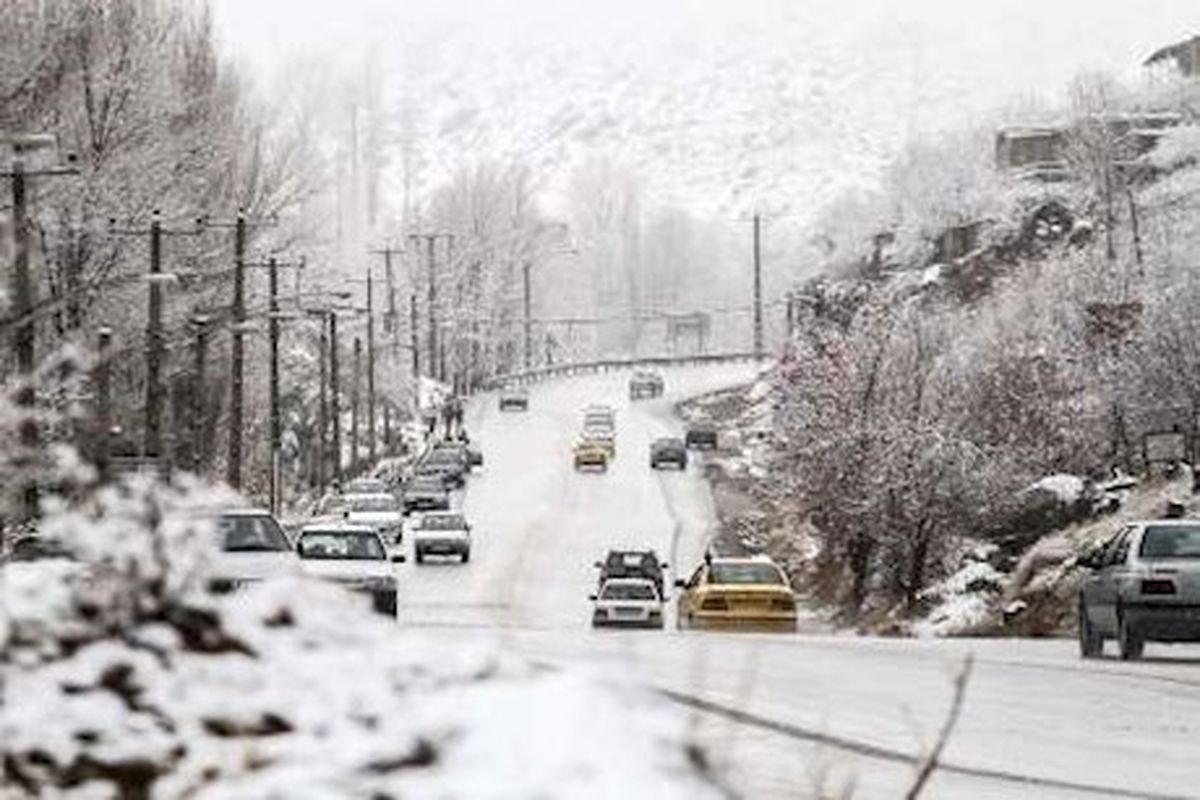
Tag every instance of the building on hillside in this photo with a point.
(1183, 56)
(1036, 153)
(1044, 153)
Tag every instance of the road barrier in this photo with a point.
(540, 374)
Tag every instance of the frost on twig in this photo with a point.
(930, 763)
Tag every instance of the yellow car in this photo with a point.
(591, 454)
(737, 594)
(602, 438)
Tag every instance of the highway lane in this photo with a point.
(783, 714)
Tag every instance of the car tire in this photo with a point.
(1091, 643)
(1130, 645)
(466, 556)
(419, 555)
(387, 605)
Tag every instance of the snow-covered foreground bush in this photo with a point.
(122, 677)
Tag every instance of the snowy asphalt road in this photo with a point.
(784, 715)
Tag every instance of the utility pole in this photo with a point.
(152, 441)
(22, 311)
(334, 405)
(433, 332)
(391, 318)
(526, 269)
(370, 368)
(414, 335)
(276, 424)
(233, 470)
(323, 415)
(200, 390)
(102, 385)
(354, 405)
(758, 318)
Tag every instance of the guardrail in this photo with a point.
(526, 377)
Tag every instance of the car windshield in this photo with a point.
(425, 485)
(745, 573)
(443, 522)
(242, 534)
(632, 561)
(373, 503)
(366, 487)
(629, 591)
(448, 458)
(1171, 541)
(345, 545)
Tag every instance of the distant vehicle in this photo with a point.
(668, 451)
(645, 384)
(458, 453)
(353, 556)
(701, 436)
(380, 511)
(253, 547)
(425, 493)
(1144, 587)
(627, 602)
(515, 398)
(442, 534)
(449, 471)
(737, 594)
(32, 547)
(632, 564)
(365, 486)
(599, 418)
(591, 454)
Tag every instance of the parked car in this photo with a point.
(515, 398)
(442, 534)
(701, 436)
(425, 493)
(645, 384)
(632, 564)
(668, 451)
(380, 511)
(1144, 586)
(449, 472)
(32, 547)
(606, 439)
(252, 547)
(365, 486)
(737, 594)
(590, 454)
(627, 602)
(353, 556)
(455, 452)
(599, 417)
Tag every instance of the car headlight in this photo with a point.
(377, 583)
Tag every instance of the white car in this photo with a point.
(381, 511)
(627, 602)
(252, 547)
(353, 556)
(442, 534)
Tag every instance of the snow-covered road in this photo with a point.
(784, 715)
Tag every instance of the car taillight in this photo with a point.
(714, 604)
(783, 604)
(1158, 586)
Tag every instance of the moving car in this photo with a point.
(456, 452)
(353, 556)
(442, 534)
(425, 493)
(749, 593)
(668, 451)
(591, 454)
(627, 602)
(606, 439)
(599, 418)
(366, 486)
(701, 436)
(379, 511)
(645, 384)
(252, 547)
(1144, 587)
(515, 398)
(449, 472)
(642, 564)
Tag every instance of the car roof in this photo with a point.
(668, 440)
(372, 495)
(754, 559)
(630, 581)
(336, 527)
(245, 512)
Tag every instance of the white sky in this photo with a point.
(701, 78)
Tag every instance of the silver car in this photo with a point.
(1144, 586)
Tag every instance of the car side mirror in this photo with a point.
(592, 597)
(399, 558)
(680, 583)
(663, 565)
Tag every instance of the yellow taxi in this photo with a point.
(591, 454)
(748, 593)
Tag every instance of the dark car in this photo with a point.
(632, 564)
(467, 455)
(668, 451)
(514, 399)
(450, 466)
(426, 493)
(645, 384)
(1144, 587)
(39, 548)
(701, 436)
